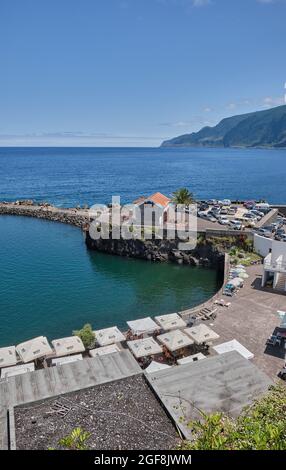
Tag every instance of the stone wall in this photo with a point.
(157, 250)
(77, 217)
(281, 209)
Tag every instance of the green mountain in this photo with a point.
(259, 129)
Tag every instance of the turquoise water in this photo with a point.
(51, 284)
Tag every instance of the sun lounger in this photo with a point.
(273, 340)
(220, 302)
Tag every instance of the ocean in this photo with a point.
(73, 176)
(50, 284)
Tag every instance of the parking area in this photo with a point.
(234, 216)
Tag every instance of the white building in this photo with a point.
(274, 266)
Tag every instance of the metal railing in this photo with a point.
(275, 265)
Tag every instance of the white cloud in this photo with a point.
(201, 3)
(186, 3)
(270, 101)
(78, 139)
(269, 2)
(231, 106)
(207, 109)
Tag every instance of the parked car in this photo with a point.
(226, 202)
(232, 210)
(249, 204)
(203, 215)
(224, 210)
(262, 207)
(283, 238)
(249, 219)
(275, 226)
(223, 220)
(257, 214)
(281, 219)
(279, 237)
(250, 215)
(215, 215)
(211, 218)
(264, 232)
(236, 224)
(212, 202)
(204, 207)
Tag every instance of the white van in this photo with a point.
(262, 206)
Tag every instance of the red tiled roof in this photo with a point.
(160, 199)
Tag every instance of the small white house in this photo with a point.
(274, 266)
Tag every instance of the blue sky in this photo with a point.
(134, 72)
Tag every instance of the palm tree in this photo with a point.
(183, 196)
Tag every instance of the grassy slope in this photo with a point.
(260, 129)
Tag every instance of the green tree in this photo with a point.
(261, 426)
(86, 335)
(183, 196)
(76, 440)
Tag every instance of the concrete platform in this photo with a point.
(225, 383)
(251, 319)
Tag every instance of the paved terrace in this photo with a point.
(251, 319)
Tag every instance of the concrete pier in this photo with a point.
(72, 216)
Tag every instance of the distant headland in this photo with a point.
(261, 129)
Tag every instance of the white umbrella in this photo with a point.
(201, 333)
(69, 345)
(174, 340)
(239, 270)
(142, 325)
(170, 321)
(108, 336)
(243, 275)
(144, 347)
(8, 356)
(34, 349)
(236, 282)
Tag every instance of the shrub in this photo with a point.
(86, 335)
(261, 426)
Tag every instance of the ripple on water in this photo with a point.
(51, 284)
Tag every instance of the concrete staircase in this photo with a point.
(281, 282)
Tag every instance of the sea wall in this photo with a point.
(187, 314)
(281, 209)
(158, 250)
(71, 216)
